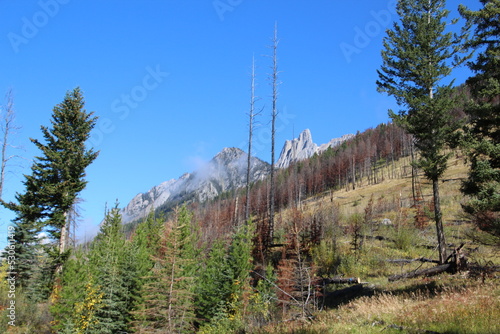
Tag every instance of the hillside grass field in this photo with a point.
(466, 302)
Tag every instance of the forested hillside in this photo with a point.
(395, 230)
(360, 210)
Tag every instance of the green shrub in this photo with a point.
(324, 258)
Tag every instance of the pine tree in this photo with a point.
(28, 224)
(418, 57)
(482, 134)
(25, 246)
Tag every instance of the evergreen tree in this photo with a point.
(214, 285)
(61, 168)
(77, 297)
(223, 293)
(482, 134)
(57, 177)
(167, 294)
(418, 58)
(28, 225)
(115, 269)
(25, 246)
(240, 262)
(147, 241)
(190, 237)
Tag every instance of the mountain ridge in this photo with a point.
(224, 172)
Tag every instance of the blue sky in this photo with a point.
(169, 80)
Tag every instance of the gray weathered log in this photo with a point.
(424, 272)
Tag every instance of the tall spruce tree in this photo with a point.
(61, 168)
(56, 179)
(58, 174)
(418, 57)
(482, 134)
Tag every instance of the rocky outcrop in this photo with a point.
(303, 147)
(297, 149)
(334, 142)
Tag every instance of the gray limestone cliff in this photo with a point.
(303, 147)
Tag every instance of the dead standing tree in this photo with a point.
(7, 127)
(251, 122)
(274, 83)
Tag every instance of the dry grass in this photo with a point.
(447, 304)
(474, 309)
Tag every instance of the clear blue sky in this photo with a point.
(169, 80)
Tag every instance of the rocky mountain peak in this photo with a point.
(225, 171)
(303, 147)
(229, 155)
(297, 149)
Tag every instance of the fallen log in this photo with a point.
(420, 259)
(423, 272)
(455, 262)
(341, 280)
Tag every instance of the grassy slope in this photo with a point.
(444, 304)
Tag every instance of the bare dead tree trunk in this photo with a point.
(353, 169)
(7, 128)
(273, 131)
(251, 115)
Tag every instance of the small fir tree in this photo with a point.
(214, 285)
(72, 291)
(167, 294)
(115, 268)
